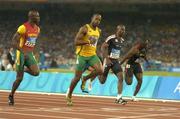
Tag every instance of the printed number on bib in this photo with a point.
(115, 54)
(93, 39)
(31, 41)
(128, 66)
(29, 44)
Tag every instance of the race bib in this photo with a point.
(94, 40)
(115, 54)
(31, 42)
(128, 66)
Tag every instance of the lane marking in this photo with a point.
(38, 115)
(111, 97)
(141, 116)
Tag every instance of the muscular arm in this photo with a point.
(15, 41)
(82, 32)
(104, 49)
(131, 52)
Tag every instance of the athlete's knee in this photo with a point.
(139, 81)
(102, 79)
(36, 73)
(119, 76)
(120, 80)
(128, 81)
(99, 71)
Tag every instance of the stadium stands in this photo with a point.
(59, 27)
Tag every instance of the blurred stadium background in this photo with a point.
(156, 20)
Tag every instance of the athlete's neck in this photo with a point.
(32, 23)
(92, 26)
(118, 37)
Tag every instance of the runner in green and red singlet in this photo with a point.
(24, 41)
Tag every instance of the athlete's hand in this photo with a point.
(108, 62)
(25, 54)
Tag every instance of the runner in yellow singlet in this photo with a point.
(86, 42)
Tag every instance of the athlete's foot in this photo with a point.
(90, 85)
(120, 101)
(134, 99)
(69, 101)
(83, 85)
(11, 100)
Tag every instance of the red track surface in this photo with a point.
(36, 106)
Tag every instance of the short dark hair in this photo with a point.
(120, 25)
(32, 11)
(96, 14)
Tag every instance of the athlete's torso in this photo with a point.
(29, 37)
(115, 46)
(89, 49)
(142, 53)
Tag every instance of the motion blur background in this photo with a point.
(155, 20)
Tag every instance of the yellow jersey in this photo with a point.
(89, 49)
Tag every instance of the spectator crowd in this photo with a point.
(56, 49)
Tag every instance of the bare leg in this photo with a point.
(19, 78)
(98, 70)
(32, 70)
(139, 80)
(120, 82)
(74, 82)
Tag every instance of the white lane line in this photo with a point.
(52, 100)
(38, 115)
(175, 116)
(110, 108)
(91, 96)
(142, 116)
(67, 111)
(59, 112)
(70, 111)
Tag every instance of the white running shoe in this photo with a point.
(134, 99)
(89, 85)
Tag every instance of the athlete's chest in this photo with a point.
(140, 54)
(115, 47)
(116, 44)
(93, 34)
(32, 32)
(31, 37)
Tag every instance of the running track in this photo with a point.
(44, 106)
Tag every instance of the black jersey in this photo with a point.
(115, 46)
(141, 54)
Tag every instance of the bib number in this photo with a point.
(115, 54)
(29, 44)
(128, 66)
(94, 40)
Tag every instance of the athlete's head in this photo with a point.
(120, 30)
(34, 17)
(95, 20)
(147, 45)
